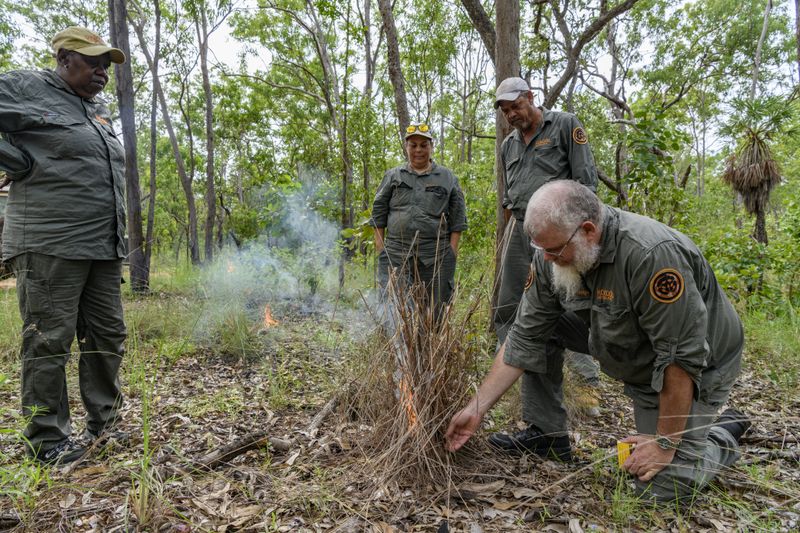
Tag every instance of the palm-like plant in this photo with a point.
(751, 170)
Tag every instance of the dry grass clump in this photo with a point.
(414, 379)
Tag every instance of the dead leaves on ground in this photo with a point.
(199, 404)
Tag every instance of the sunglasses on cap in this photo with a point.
(422, 128)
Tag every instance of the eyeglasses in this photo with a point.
(552, 251)
(422, 128)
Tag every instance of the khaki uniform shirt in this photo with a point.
(419, 211)
(67, 197)
(559, 150)
(651, 301)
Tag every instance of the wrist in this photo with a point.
(667, 443)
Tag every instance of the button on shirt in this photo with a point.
(419, 211)
(67, 196)
(559, 150)
(652, 300)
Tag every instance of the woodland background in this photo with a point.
(257, 133)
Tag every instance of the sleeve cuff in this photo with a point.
(666, 354)
(527, 355)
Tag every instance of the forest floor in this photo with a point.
(317, 473)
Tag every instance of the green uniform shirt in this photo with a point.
(419, 210)
(652, 300)
(559, 150)
(67, 197)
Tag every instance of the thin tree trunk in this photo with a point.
(139, 270)
(201, 27)
(483, 24)
(507, 64)
(757, 59)
(395, 70)
(333, 101)
(151, 205)
(186, 182)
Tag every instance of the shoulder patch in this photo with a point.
(531, 277)
(666, 286)
(579, 136)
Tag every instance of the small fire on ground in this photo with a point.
(268, 320)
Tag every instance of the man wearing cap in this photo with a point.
(64, 237)
(418, 214)
(544, 146)
(643, 299)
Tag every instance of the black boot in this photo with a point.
(532, 440)
(734, 422)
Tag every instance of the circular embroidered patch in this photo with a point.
(666, 286)
(579, 136)
(529, 281)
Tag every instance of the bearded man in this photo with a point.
(643, 300)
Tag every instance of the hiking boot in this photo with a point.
(734, 422)
(532, 440)
(66, 451)
(108, 436)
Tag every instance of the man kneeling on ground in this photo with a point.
(644, 301)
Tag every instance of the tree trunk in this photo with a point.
(151, 205)
(139, 268)
(186, 181)
(201, 27)
(507, 64)
(483, 24)
(757, 59)
(333, 102)
(395, 70)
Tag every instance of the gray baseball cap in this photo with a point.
(509, 90)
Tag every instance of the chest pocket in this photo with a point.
(512, 163)
(402, 195)
(435, 199)
(615, 333)
(63, 136)
(548, 160)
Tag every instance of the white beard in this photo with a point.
(567, 280)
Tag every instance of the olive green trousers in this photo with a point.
(60, 299)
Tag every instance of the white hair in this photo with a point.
(564, 205)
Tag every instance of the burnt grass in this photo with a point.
(178, 411)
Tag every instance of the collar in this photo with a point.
(407, 168)
(52, 78)
(608, 239)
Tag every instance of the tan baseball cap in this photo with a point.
(509, 90)
(85, 42)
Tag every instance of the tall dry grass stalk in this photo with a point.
(416, 378)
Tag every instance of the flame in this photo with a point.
(231, 268)
(407, 399)
(268, 320)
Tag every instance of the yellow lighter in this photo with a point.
(623, 452)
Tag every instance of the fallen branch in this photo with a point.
(317, 421)
(251, 441)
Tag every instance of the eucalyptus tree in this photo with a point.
(139, 21)
(207, 19)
